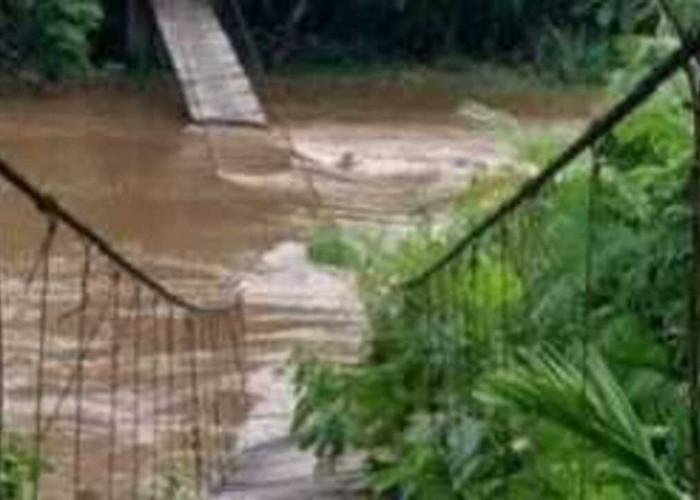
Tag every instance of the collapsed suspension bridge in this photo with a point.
(120, 387)
(213, 80)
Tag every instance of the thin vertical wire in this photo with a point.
(228, 413)
(489, 326)
(430, 337)
(219, 392)
(231, 335)
(426, 321)
(525, 263)
(2, 382)
(196, 442)
(80, 363)
(446, 296)
(239, 341)
(472, 315)
(232, 396)
(170, 347)
(525, 272)
(202, 377)
(207, 401)
(463, 315)
(426, 338)
(593, 194)
(504, 282)
(214, 395)
(154, 388)
(220, 371)
(504, 327)
(136, 422)
(693, 340)
(45, 263)
(114, 384)
(452, 348)
(478, 323)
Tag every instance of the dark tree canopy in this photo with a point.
(61, 37)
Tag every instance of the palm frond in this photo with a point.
(588, 404)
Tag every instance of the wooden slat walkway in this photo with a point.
(215, 85)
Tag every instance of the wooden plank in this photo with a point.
(212, 78)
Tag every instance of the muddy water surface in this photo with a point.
(126, 162)
(231, 206)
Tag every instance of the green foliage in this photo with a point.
(570, 38)
(50, 36)
(593, 408)
(546, 421)
(330, 431)
(63, 30)
(17, 469)
(335, 247)
(659, 135)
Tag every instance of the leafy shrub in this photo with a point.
(536, 428)
(63, 30)
(659, 135)
(328, 432)
(17, 469)
(335, 247)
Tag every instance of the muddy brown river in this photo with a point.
(234, 206)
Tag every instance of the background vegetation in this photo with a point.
(572, 38)
(52, 36)
(423, 30)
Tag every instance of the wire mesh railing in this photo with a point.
(111, 384)
(528, 281)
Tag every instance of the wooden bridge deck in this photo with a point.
(214, 83)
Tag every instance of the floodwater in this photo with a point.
(233, 207)
(125, 160)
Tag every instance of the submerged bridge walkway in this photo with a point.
(214, 83)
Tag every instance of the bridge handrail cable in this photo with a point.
(598, 128)
(48, 205)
